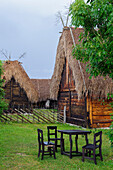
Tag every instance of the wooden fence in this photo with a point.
(26, 116)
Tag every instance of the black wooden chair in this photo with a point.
(92, 147)
(52, 136)
(50, 146)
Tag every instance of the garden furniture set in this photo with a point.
(52, 143)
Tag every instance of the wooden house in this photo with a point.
(71, 86)
(19, 90)
(43, 88)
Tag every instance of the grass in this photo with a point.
(19, 148)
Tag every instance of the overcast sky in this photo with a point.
(30, 26)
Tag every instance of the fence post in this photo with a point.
(64, 114)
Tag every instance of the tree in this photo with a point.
(96, 47)
(3, 104)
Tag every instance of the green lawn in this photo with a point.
(19, 149)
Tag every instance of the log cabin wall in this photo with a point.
(15, 95)
(99, 112)
(75, 109)
(64, 94)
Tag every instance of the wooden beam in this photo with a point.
(91, 118)
(67, 72)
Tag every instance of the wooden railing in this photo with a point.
(26, 116)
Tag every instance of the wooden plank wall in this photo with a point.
(64, 94)
(99, 113)
(75, 109)
(15, 95)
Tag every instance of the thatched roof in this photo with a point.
(43, 88)
(97, 87)
(15, 69)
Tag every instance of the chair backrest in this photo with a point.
(98, 138)
(40, 136)
(52, 132)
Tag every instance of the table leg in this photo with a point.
(86, 138)
(70, 138)
(62, 143)
(76, 142)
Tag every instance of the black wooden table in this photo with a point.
(70, 133)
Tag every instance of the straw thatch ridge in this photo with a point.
(42, 86)
(97, 87)
(15, 69)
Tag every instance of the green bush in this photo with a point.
(3, 104)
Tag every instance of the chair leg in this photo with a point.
(42, 152)
(83, 152)
(56, 145)
(63, 145)
(86, 152)
(54, 152)
(39, 152)
(100, 153)
(50, 151)
(89, 153)
(94, 157)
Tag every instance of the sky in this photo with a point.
(31, 27)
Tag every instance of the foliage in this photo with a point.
(110, 132)
(3, 104)
(96, 48)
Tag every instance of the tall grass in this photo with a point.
(19, 149)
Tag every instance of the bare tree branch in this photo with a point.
(22, 56)
(9, 56)
(59, 16)
(4, 53)
(64, 17)
(67, 18)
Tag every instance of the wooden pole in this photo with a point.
(69, 93)
(91, 119)
(86, 121)
(64, 114)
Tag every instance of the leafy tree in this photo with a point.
(96, 48)
(3, 104)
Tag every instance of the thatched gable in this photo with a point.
(97, 87)
(43, 87)
(15, 69)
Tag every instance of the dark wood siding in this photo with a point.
(75, 109)
(81, 112)
(99, 113)
(15, 95)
